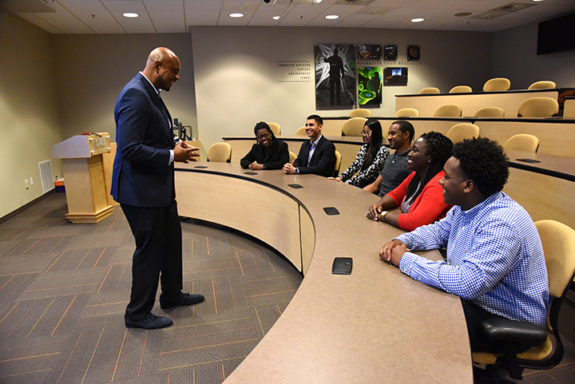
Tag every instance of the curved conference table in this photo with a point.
(376, 325)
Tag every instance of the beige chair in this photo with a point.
(292, 157)
(569, 109)
(462, 131)
(337, 163)
(353, 126)
(406, 112)
(360, 112)
(559, 248)
(461, 89)
(543, 84)
(448, 110)
(538, 107)
(220, 152)
(275, 127)
(497, 84)
(522, 142)
(490, 112)
(429, 91)
(300, 132)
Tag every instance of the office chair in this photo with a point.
(275, 127)
(461, 89)
(337, 163)
(490, 112)
(448, 110)
(353, 126)
(292, 157)
(522, 142)
(569, 108)
(462, 131)
(497, 84)
(546, 348)
(538, 107)
(220, 152)
(360, 112)
(300, 132)
(406, 112)
(543, 84)
(429, 91)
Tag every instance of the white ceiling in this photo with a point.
(174, 16)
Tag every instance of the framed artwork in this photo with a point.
(368, 52)
(334, 75)
(369, 85)
(413, 52)
(390, 52)
(395, 76)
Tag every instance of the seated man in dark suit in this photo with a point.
(315, 156)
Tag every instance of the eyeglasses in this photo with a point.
(259, 137)
(367, 133)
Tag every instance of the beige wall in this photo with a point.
(29, 121)
(237, 84)
(515, 57)
(91, 71)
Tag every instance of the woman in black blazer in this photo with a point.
(268, 152)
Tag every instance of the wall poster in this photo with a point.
(334, 75)
(369, 86)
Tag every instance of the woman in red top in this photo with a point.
(419, 196)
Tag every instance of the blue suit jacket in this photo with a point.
(142, 175)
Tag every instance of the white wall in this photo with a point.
(515, 57)
(29, 121)
(237, 86)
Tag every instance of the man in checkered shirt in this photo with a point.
(495, 259)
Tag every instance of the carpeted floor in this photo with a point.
(64, 288)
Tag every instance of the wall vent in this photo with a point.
(46, 175)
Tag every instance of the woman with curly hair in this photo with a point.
(370, 159)
(419, 196)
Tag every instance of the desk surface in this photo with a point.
(376, 325)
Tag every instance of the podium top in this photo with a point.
(82, 146)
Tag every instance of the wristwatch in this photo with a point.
(382, 215)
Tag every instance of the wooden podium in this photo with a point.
(84, 179)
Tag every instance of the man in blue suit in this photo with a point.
(143, 184)
(315, 156)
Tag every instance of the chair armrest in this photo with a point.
(515, 335)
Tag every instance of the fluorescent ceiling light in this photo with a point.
(417, 20)
(130, 14)
(236, 14)
(332, 17)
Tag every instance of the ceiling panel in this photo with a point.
(169, 16)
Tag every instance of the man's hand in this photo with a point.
(289, 168)
(185, 152)
(255, 165)
(392, 252)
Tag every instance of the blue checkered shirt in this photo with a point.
(494, 259)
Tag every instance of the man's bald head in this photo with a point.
(162, 68)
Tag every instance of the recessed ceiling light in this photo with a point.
(537, 0)
(332, 17)
(417, 20)
(236, 14)
(130, 14)
(276, 17)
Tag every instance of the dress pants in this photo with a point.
(158, 254)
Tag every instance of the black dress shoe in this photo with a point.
(182, 299)
(150, 322)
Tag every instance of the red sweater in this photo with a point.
(427, 207)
